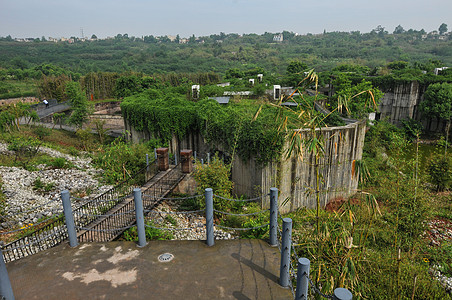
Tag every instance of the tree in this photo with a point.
(442, 28)
(295, 72)
(399, 29)
(94, 37)
(81, 108)
(438, 103)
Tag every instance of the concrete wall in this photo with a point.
(294, 178)
(402, 103)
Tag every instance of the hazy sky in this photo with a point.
(62, 18)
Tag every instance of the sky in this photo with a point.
(62, 18)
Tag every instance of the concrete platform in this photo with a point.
(234, 269)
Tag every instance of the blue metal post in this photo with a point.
(6, 290)
(147, 160)
(285, 252)
(208, 158)
(342, 294)
(302, 279)
(155, 153)
(209, 217)
(175, 159)
(273, 216)
(140, 218)
(70, 224)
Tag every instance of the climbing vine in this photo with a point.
(166, 112)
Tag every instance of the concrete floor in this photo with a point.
(233, 269)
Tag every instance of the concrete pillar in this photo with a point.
(162, 158)
(139, 217)
(302, 279)
(284, 271)
(210, 239)
(186, 161)
(273, 216)
(70, 224)
(6, 290)
(342, 294)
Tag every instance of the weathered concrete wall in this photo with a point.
(111, 121)
(402, 103)
(294, 178)
(16, 100)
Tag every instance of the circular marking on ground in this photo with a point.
(165, 257)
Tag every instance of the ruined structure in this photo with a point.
(402, 103)
(294, 177)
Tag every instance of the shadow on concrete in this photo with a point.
(239, 296)
(255, 267)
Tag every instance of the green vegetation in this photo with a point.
(167, 112)
(374, 243)
(220, 52)
(151, 233)
(120, 160)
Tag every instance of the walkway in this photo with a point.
(232, 269)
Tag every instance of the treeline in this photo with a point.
(218, 53)
(108, 85)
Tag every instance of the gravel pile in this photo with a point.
(27, 201)
(194, 225)
(440, 231)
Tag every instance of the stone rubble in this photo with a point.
(194, 225)
(26, 205)
(439, 231)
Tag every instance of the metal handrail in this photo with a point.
(83, 221)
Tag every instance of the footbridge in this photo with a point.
(103, 218)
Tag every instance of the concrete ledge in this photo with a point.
(235, 269)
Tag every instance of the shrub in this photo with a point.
(121, 160)
(439, 170)
(151, 233)
(215, 176)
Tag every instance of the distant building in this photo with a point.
(278, 38)
(260, 77)
(195, 91)
(438, 70)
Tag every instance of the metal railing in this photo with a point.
(51, 233)
(113, 217)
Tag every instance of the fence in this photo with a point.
(277, 237)
(51, 232)
(300, 274)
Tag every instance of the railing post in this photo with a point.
(302, 279)
(155, 153)
(208, 157)
(194, 155)
(273, 216)
(175, 159)
(139, 216)
(342, 294)
(209, 217)
(202, 161)
(6, 290)
(70, 224)
(285, 252)
(147, 167)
